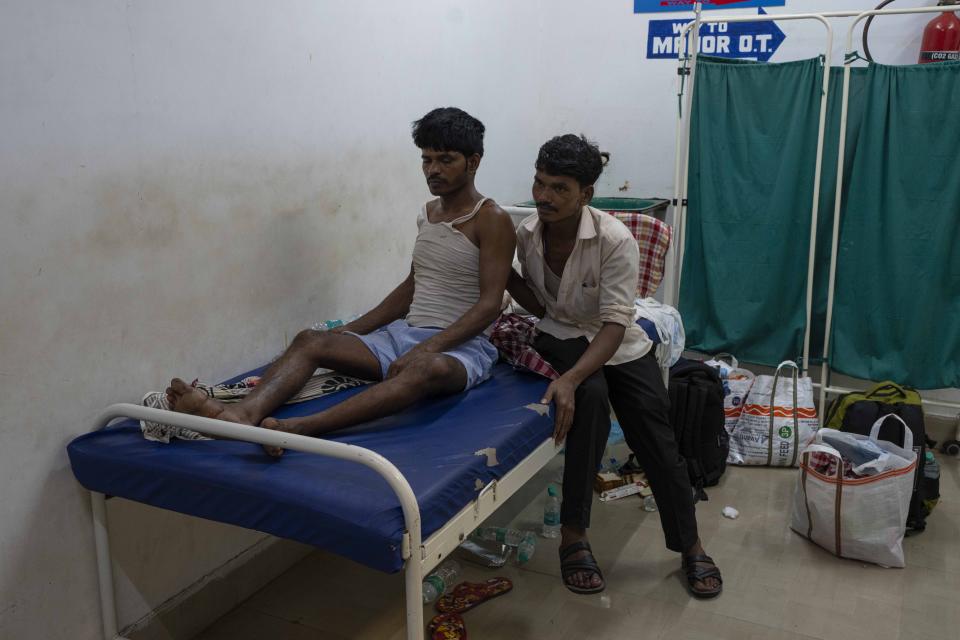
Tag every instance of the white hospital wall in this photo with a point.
(184, 185)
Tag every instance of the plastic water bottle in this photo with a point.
(931, 468)
(526, 547)
(551, 514)
(509, 537)
(440, 580)
(649, 504)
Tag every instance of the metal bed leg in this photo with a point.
(413, 577)
(108, 607)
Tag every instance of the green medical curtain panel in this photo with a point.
(753, 145)
(897, 307)
(828, 190)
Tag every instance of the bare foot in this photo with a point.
(185, 398)
(273, 424)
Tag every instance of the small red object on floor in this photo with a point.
(447, 626)
(467, 595)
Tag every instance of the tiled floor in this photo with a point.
(777, 585)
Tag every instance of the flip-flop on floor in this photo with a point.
(467, 595)
(447, 626)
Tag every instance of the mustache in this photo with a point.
(545, 207)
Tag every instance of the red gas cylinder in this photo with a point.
(941, 38)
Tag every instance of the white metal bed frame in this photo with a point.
(419, 556)
(682, 175)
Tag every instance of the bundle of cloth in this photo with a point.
(514, 332)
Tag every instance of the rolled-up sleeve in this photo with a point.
(619, 271)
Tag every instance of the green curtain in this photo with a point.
(753, 148)
(897, 307)
(828, 189)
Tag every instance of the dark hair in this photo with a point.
(449, 129)
(571, 156)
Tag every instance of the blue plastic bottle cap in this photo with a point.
(551, 490)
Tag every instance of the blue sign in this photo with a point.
(656, 6)
(742, 40)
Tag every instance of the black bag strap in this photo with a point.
(689, 447)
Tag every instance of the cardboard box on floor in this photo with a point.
(612, 486)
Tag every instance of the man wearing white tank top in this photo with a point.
(426, 338)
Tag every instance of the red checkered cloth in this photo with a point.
(827, 465)
(653, 237)
(513, 335)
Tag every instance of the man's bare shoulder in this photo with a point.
(495, 226)
(492, 216)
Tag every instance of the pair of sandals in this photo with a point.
(693, 568)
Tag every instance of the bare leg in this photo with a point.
(285, 377)
(430, 375)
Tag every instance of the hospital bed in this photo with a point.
(398, 493)
(426, 477)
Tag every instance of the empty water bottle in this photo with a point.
(509, 537)
(649, 504)
(440, 580)
(551, 514)
(931, 468)
(526, 547)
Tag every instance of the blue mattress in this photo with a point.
(339, 506)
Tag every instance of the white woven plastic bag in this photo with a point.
(778, 420)
(863, 518)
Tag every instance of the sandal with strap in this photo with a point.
(447, 626)
(568, 567)
(467, 595)
(697, 574)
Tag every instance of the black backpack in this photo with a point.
(696, 413)
(859, 417)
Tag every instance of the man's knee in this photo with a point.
(310, 340)
(435, 369)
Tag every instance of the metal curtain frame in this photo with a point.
(682, 166)
(849, 59)
(431, 551)
(681, 170)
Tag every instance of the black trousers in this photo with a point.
(636, 392)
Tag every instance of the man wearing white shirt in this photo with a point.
(579, 269)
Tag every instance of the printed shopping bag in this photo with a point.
(778, 420)
(737, 383)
